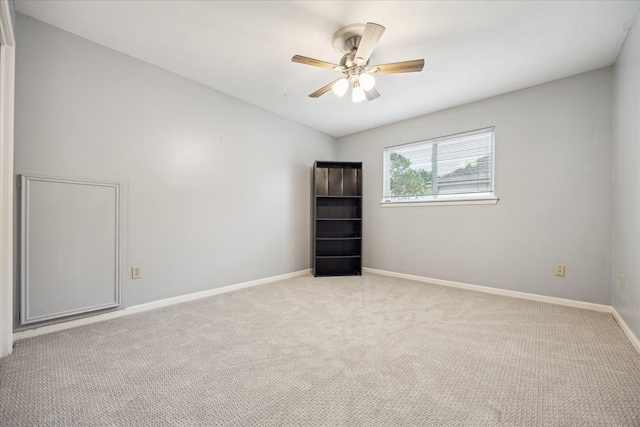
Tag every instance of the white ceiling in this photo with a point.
(472, 49)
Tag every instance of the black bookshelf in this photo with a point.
(337, 218)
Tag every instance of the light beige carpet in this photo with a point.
(347, 351)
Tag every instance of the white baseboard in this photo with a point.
(625, 328)
(496, 291)
(515, 294)
(28, 333)
(198, 295)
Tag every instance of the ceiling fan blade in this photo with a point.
(398, 67)
(368, 41)
(323, 89)
(316, 62)
(371, 94)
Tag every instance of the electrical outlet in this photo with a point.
(622, 281)
(136, 272)
(560, 270)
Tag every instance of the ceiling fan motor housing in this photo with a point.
(350, 67)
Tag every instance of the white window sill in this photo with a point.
(443, 202)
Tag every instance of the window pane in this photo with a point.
(464, 165)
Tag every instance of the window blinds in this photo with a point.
(460, 164)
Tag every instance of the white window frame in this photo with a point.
(484, 198)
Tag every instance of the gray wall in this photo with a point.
(626, 189)
(215, 191)
(553, 178)
(12, 11)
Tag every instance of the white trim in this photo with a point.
(28, 333)
(488, 290)
(625, 328)
(442, 202)
(7, 78)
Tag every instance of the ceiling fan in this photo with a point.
(356, 42)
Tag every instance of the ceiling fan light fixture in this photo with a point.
(367, 81)
(340, 87)
(358, 94)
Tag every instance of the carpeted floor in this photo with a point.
(346, 351)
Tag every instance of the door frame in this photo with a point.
(7, 79)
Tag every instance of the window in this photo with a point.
(448, 169)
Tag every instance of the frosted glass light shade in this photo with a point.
(358, 93)
(367, 81)
(340, 87)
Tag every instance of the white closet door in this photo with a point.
(70, 247)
